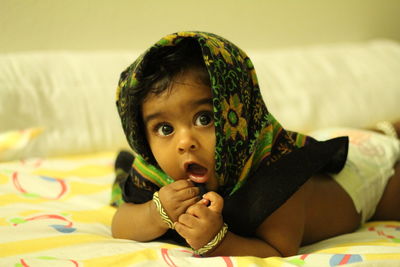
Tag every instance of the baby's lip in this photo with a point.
(196, 172)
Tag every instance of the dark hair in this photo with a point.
(162, 64)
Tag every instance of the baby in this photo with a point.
(214, 169)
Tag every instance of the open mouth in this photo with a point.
(196, 169)
(196, 172)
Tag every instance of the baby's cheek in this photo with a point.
(164, 159)
(171, 169)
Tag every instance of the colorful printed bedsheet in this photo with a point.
(55, 212)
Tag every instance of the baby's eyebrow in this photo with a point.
(203, 101)
(198, 102)
(151, 117)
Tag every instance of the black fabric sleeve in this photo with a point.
(133, 194)
(271, 185)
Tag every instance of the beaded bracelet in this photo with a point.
(214, 242)
(163, 214)
(387, 128)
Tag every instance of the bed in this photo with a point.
(60, 134)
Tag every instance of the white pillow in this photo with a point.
(70, 95)
(352, 85)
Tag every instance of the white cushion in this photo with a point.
(70, 95)
(353, 85)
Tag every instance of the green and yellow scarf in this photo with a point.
(246, 133)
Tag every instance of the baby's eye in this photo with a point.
(164, 129)
(204, 119)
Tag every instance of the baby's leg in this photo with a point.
(389, 206)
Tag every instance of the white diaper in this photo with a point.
(369, 166)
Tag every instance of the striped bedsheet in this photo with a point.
(55, 212)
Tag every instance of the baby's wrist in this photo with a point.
(156, 217)
(213, 245)
(159, 212)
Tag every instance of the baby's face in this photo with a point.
(180, 130)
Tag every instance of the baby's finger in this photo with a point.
(181, 184)
(190, 202)
(182, 229)
(204, 201)
(216, 201)
(188, 220)
(198, 210)
(188, 192)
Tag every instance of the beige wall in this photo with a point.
(124, 24)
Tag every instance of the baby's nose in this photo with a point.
(187, 142)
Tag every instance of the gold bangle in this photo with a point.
(387, 128)
(163, 214)
(214, 242)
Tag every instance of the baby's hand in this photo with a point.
(177, 197)
(200, 224)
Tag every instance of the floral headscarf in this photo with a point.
(246, 133)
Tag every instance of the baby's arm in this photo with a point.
(279, 235)
(142, 222)
(201, 223)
